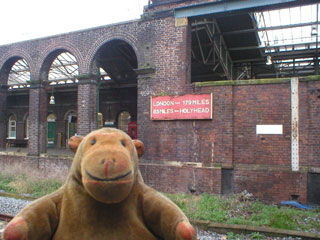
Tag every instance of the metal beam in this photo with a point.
(293, 54)
(284, 73)
(249, 60)
(235, 6)
(270, 28)
(217, 44)
(282, 56)
(274, 47)
(221, 49)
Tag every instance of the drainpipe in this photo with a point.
(295, 124)
(98, 99)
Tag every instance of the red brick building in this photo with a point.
(263, 136)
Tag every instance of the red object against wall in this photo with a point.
(191, 106)
(133, 130)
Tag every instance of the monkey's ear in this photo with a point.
(139, 146)
(74, 143)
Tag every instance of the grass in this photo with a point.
(252, 236)
(20, 179)
(233, 209)
(237, 209)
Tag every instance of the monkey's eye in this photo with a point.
(123, 143)
(93, 141)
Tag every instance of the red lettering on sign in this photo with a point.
(189, 106)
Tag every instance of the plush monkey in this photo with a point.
(104, 197)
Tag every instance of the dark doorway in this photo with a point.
(227, 186)
(314, 188)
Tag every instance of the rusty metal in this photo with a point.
(6, 218)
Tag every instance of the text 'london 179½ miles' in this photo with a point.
(191, 106)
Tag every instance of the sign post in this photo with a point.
(190, 106)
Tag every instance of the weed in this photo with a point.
(234, 236)
(237, 220)
(283, 219)
(256, 236)
(4, 184)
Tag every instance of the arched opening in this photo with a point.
(15, 73)
(19, 74)
(61, 69)
(117, 61)
(64, 68)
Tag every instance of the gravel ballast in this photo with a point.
(12, 206)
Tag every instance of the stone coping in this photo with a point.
(224, 228)
(254, 81)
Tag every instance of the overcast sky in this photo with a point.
(28, 19)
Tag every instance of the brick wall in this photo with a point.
(262, 163)
(169, 52)
(36, 162)
(87, 108)
(36, 109)
(271, 184)
(263, 105)
(309, 104)
(185, 179)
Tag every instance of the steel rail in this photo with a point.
(5, 217)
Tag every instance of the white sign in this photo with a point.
(269, 129)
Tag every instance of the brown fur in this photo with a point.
(104, 197)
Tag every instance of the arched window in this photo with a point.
(19, 74)
(12, 127)
(51, 118)
(63, 69)
(124, 119)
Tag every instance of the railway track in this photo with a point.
(6, 218)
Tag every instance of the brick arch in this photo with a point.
(128, 38)
(18, 54)
(12, 113)
(68, 112)
(25, 116)
(58, 47)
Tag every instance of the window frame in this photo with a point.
(11, 121)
